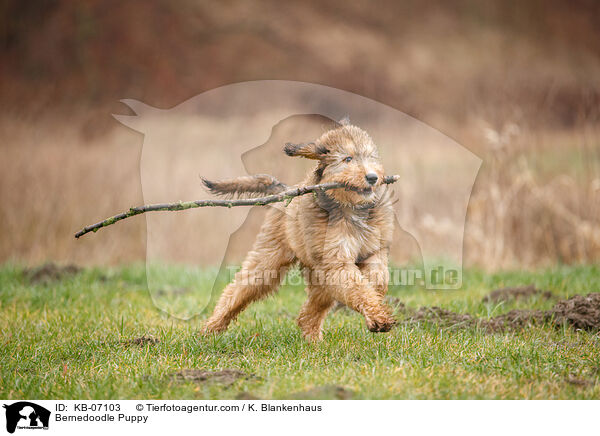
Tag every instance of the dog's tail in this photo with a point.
(246, 186)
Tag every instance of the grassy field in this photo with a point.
(68, 339)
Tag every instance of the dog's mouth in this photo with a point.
(363, 191)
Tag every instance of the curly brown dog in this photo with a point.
(340, 237)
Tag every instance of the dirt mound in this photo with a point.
(50, 272)
(579, 382)
(579, 312)
(225, 376)
(142, 340)
(443, 316)
(516, 293)
(514, 320)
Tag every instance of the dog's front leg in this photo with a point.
(375, 270)
(347, 284)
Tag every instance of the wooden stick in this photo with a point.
(184, 205)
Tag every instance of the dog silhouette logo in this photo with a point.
(26, 415)
(240, 130)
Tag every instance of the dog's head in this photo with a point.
(347, 155)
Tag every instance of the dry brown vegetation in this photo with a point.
(518, 83)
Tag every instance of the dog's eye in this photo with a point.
(347, 158)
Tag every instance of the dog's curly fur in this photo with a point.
(339, 237)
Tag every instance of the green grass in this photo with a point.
(65, 340)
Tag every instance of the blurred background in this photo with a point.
(516, 82)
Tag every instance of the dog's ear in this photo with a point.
(309, 150)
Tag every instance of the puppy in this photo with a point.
(340, 237)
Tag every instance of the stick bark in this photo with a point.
(184, 205)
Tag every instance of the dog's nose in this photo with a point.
(371, 178)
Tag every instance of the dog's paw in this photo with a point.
(313, 338)
(212, 329)
(382, 325)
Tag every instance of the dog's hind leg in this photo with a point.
(261, 274)
(313, 312)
